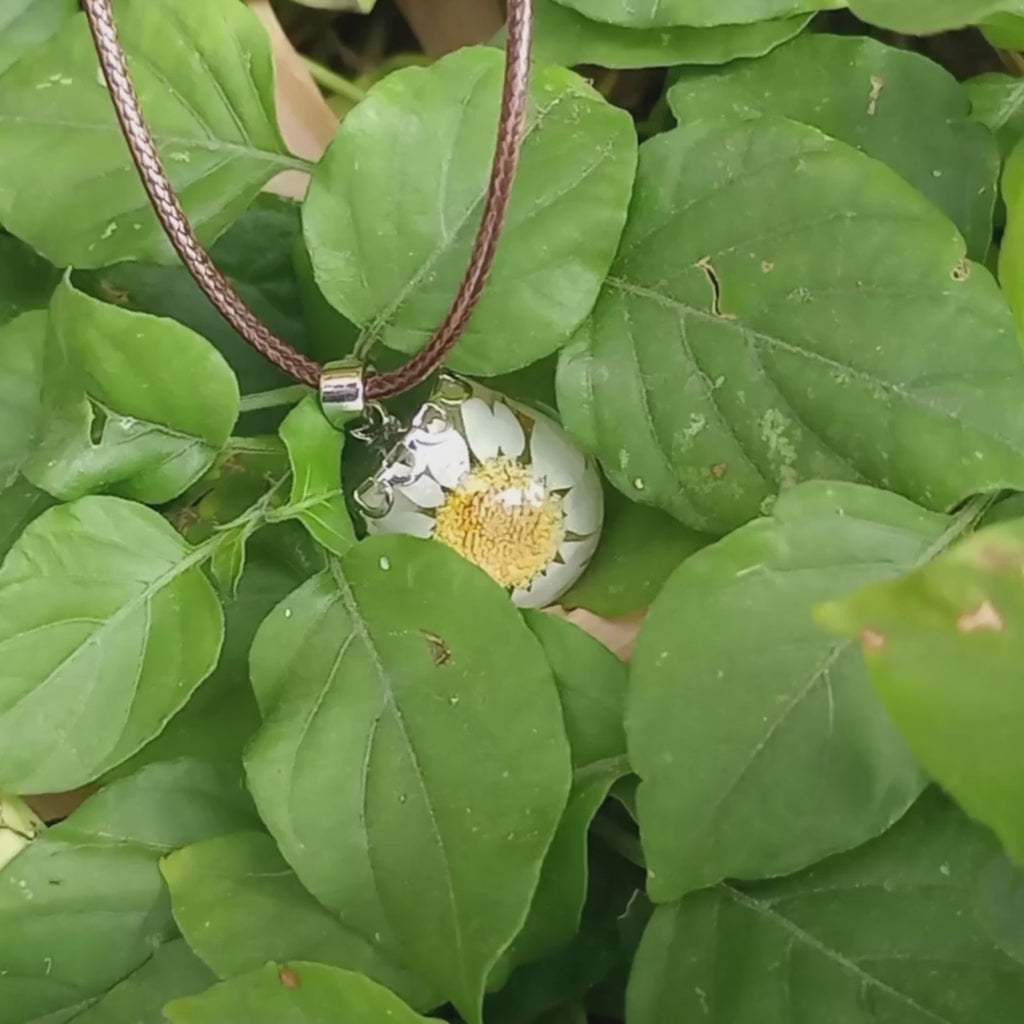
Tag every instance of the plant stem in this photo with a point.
(334, 82)
(289, 395)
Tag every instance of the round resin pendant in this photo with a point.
(500, 483)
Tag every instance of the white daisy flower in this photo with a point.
(505, 487)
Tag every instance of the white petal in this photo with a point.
(425, 492)
(555, 458)
(577, 553)
(511, 439)
(447, 459)
(478, 422)
(404, 517)
(546, 588)
(584, 505)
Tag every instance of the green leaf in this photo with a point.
(26, 280)
(1005, 31)
(1011, 251)
(667, 13)
(84, 906)
(173, 971)
(240, 906)
(564, 36)
(317, 500)
(133, 404)
(997, 101)
(897, 365)
(592, 687)
(413, 764)
(221, 716)
(896, 106)
(301, 992)
(427, 135)
(759, 741)
(920, 17)
(640, 547)
(204, 75)
(889, 932)
(22, 348)
(256, 254)
(943, 646)
(107, 625)
(20, 503)
(27, 23)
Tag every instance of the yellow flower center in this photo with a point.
(504, 520)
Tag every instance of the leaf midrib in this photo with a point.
(779, 920)
(285, 161)
(197, 556)
(360, 630)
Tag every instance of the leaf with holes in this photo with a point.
(898, 107)
(132, 404)
(395, 204)
(668, 13)
(564, 36)
(205, 81)
(732, 353)
(760, 744)
(84, 905)
(107, 625)
(944, 648)
(402, 691)
(894, 931)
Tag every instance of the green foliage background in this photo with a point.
(782, 308)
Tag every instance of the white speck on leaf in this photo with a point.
(110, 229)
(877, 85)
(385, 564)
(984, 617)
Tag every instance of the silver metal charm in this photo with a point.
(342, 391)
(497, 481)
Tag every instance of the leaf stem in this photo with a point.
(334, 82)
(289, 395)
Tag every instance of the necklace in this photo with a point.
(500, 483)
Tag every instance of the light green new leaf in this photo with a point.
(22, 347)
(240, 906)
(640, 548)
(944, 648)
(27, 23)
(759, 741)
(733, 352)
(84, 906)
(317, 500)
(920, 17)
(26, 280)
(394, 207)
(894, 931)
(564, 36)
(302, 993)
(412, 765)
(997, 101)
(896, 106)
(107, 625)
(172, 972)
(668, 13)
(132, 404)
(205, 80)
(1011, 251)
(592, 687)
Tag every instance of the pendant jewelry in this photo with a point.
(500, 483)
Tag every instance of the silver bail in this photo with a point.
(342, 391)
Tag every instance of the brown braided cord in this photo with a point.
(511, 133)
